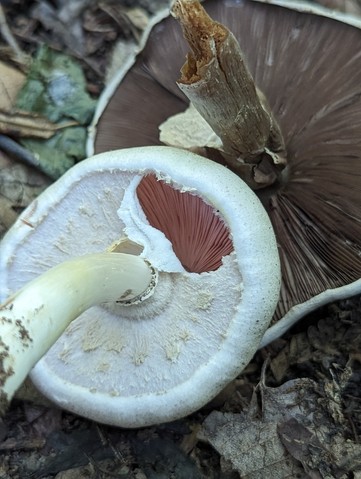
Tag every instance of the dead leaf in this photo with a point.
(29, 125)
(12, 444)
(11, 81)
(252, 448)
(320, 346)
(7, 215)
(131, 21)
(19, 185)
(297, 439)
(9, 38)
(48, 16)
(138, 17)
(299, 430)
(188, 130)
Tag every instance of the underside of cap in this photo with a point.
(309, 69)
(164, 358)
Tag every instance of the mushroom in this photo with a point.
(347, 12)
(309, 69)
(88, 241)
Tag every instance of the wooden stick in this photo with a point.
(217, 81)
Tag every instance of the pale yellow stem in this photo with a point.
(34, 317)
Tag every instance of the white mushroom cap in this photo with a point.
(162, 359)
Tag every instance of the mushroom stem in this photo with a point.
(216, 80)
(33, 318)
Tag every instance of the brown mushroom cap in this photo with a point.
(309, 68)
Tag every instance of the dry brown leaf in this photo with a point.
(71, 37)
(19, 185)
(7, 215)
(11, 81)
(188, 130)
(131, 21)
(26, 125)
(9, 38)
(301, 429)
(321, 345)
(252, 448)
(138, 17)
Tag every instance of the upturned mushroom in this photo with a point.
(170, 265)
(309, 70)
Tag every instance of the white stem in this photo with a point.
(34, 317)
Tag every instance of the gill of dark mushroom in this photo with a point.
(309, 69)
(92, 242)
(346, 13)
